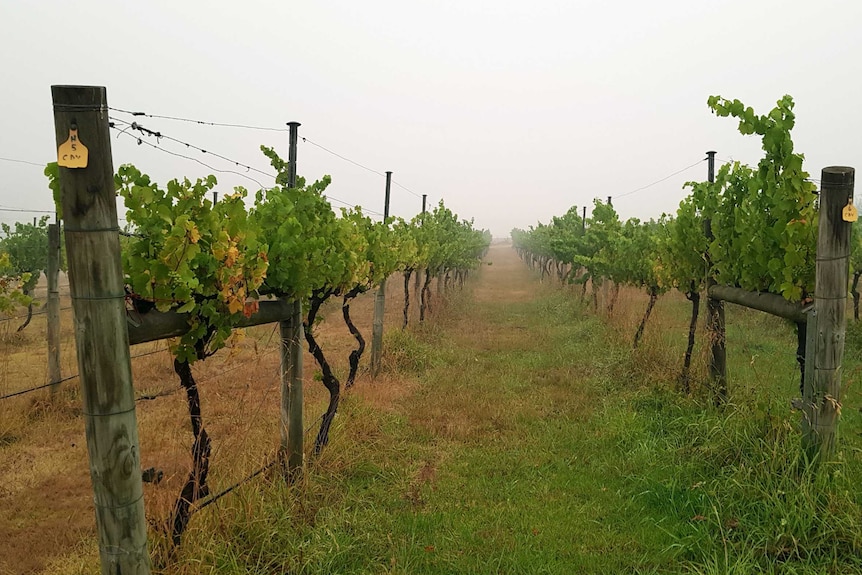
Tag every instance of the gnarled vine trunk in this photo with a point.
(329, 380)
(615, 293)
(196, 484)
(801, 336)
(407, 274)
(685, 377)
(355, 354)
(30, 313)
(425, 296)
(855, 292)
(653, 296)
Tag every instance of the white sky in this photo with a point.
(510, 111)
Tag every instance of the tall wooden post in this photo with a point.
(418, 272)
(822, 393)
(380, 301)
(101, 335)
(53, 308)
(292, 448)
(715, 314)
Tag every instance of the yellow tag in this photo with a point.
(72, 153)
(849, 213)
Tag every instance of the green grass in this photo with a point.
(534, 441)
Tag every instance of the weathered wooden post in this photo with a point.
(292, 449)
(715, 315)
(821, 394)
(53, 308)
(101, 336)
(379, 301)
(417, 282)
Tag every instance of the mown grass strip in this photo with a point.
(529, 438)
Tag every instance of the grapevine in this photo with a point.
(763, 222)
(200, 259)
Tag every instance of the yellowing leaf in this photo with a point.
(194, 234)
(235, 306)
(231, 256)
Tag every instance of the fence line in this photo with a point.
(67, 378)
(34, 314)
(38, 387)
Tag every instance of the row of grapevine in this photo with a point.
(23, 259)
(194, 270)
(214, 262)
(749, 229)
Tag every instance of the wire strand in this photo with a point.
(69, 377)
(660, 181)
(348, 204)
(345, 158)
(16, 161)
(22, 210)
(213, 498)
(355, 163)
(34, 314)
(38, 387)
(201, 122)
(169, 152)
(406, 189)
(158, 135)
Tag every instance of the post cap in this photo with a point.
(837, 176)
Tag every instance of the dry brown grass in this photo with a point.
(45, 494)
(659, 356)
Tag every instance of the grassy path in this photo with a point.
(496, 461)
(518, 434)
(517, 478)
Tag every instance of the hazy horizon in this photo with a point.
(510, 112)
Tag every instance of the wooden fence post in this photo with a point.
(821, 396)
(715, 316)
(101, 336)
(53, 308)
(292, 434)
(417, 282)
(292, 447)
(379, 301)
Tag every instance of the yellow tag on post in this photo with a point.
(849, 213)
(72, 153)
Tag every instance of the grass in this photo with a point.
(517, 432)
(533, 440)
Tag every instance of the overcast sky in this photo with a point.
(510, 111)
